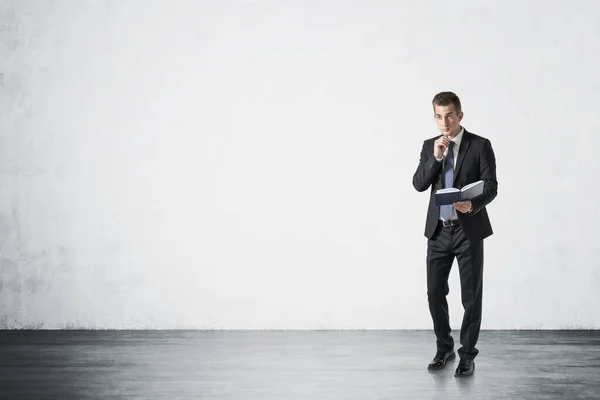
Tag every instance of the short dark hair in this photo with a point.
(445, 99)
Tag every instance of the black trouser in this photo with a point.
(447, 243)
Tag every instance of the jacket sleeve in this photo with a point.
(427, 171)
(487, 168)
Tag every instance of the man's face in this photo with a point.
(447, 119)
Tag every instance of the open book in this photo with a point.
(450, 195)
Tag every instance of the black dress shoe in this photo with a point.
(465, 368)
(440, 360)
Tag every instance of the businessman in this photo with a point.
(455, 159)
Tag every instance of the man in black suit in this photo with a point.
(455, 159)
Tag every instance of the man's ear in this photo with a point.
(460, 116)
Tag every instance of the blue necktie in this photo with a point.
(446, 211)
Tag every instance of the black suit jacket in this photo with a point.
(475, 161)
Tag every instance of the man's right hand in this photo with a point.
(440, 146)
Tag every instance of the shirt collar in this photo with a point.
(458, 138)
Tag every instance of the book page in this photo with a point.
(472, 190)
(447, 190)
(470, 185)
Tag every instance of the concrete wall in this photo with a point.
(248, 164)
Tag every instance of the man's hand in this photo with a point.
(463, 206)
(440, 146)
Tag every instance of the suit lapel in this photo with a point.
(462, 150)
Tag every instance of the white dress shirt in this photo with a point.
(456, 139)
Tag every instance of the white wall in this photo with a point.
(248, 164)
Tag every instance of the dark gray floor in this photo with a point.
(254, 365)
